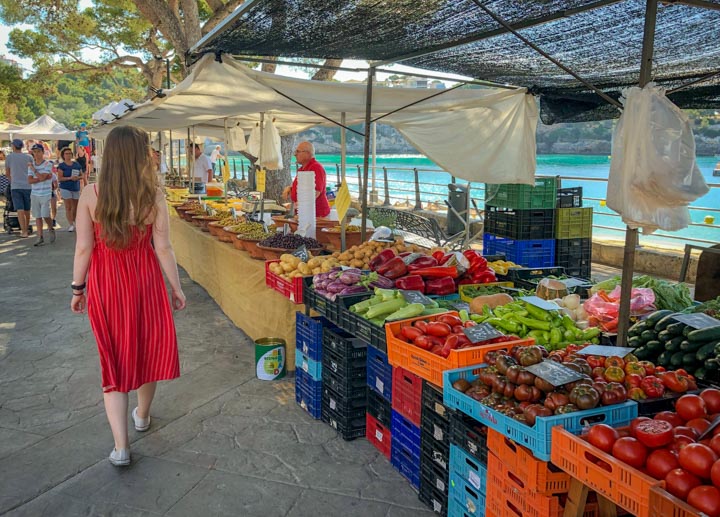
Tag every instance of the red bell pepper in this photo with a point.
(440, 286)
(437, 272)
(483, 277)
(422, 263)
(477, 261)
(393, 268)
(438, 255)
(410, 283)
(382, 257)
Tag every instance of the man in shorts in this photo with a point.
(16, 170)
(40, 175)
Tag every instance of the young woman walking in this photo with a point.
(123, 248)
(69, 177)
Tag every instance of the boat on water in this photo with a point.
(716, 170)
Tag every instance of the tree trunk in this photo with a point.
(276, 181)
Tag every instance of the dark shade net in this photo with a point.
(600, 40)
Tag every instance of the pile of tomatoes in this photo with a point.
(666, 447)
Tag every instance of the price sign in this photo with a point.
(416, 297)
(204, 206)
(554, 373)
(697, 321)
(481, 332)
(233, 212)
(539, 302)
(606, 351)
(461, 306)
(574, 282)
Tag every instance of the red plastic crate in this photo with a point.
(538, 476)
(407, 394)
(290, 289)
(378, 435)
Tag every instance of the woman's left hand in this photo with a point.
(78, 304)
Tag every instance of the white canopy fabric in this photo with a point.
(45, 128)
(483, 135)
(6, 129)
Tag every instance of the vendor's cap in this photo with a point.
(83, 124)
(37, 147)
(17, 143)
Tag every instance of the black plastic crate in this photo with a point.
(378, 407)
(348, 388)
(573, 249)
(570, 197)
(347, 408)
(533, 223)
(435, 440)
(433, 487)
(432, 400)
(582, 271)
(349, 429)
(343, 345)
(359, 326)
(437, 476)
(470, 435)
(379, 373)
(344, 368)
(318, 302)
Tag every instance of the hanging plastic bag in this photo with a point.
(253, 143)
(603, 308)
(270, 154)
(236, 139)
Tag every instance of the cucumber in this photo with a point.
(701, 374)
(634, 341)
(687, 346)
(647, 335)
(664, 359)
(689, 360)
(706, 334)
(637, 329)
(712, 365)
(664, 336)
(676, 359)
(667, 320)
(642, 352)
(656, 316)
(706, 351)
(676, 329)
(654, 347)
(686, 331)
(673, 345)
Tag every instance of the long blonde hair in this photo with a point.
(127, 186)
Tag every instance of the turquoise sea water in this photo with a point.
(434, 188)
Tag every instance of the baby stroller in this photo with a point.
(10, 217)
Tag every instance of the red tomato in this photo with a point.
(423, 341)
(697, 459)
(614, 360)
(671, 417)
(410, 333)
(438, 328)
(699, 424)
(422, 325)
(680, 442)
(603, 437)
(450, 319)
(679, 482)
(706, 499)
(686, 431)
(635, 422)
(598, 372)
(660, 462)
(715, 444)
(649, 367)
(711, 396)
(715, 473)
(631, 451)
(654, 433)
(690, 406)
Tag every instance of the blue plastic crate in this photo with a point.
(464, 499)
(538, 437)
(405, 462)
(529, 253)
(307, 365)
(308, 394)
(405, 434)
(468, 468)
(309, 334)
(379, 373)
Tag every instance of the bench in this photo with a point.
(414, 228)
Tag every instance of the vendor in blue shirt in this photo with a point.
(69, 175)
(82, 138)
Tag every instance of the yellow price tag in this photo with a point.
(342, 200)
(260, 180)
(226, 172)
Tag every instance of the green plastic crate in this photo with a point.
(542, 195)
(573, 223)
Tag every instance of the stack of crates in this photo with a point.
(308, 362)
(573, 233)
(520, 222)
(344, 371)
(468, 488)
(406, 413)
(379, 401)
(435, 449)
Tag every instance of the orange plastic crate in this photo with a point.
(498, 504)
(617, 481)
(538, 476)
(430, 366)
(290, 289)
(667, 505)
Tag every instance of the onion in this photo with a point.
(572, 301)
(581, 314)
(568, 312)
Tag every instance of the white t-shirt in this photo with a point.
(214, 155)
(202, 165)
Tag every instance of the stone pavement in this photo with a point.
(221, 443)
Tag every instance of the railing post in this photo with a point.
(418, 204)
(234, 169)
(242, 169)
(360, 185)
(387, 188)
(337, 172)
(452, 179)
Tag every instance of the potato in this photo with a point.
(336, 254)
(359, 255)
(276, 268)
(326, 266)
(356, 263)
(287, 267)
(345, 256)
(317, 271)
(314, 262)
(287, 258)
(304, 269)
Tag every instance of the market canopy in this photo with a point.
(6, 129)
(44, 128)
(601, 40)
(485, 135)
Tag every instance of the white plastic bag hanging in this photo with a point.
(653, 173)
(270, 154)
(236, 139)
(253, 143)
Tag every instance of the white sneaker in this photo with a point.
(71, 228)
(120, 458)
(141, 424)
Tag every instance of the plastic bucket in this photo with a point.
(270, 358)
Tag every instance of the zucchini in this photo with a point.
(706, 334)
(706, 351)
(701, 374)
(689, 360)
(712, 364)
(667, 320)
(686, 331)
(676, 329)
(664, 336)
(637, 329)
(676, 359)
(687, 346)
(641, 352)
(648, 335)
(634, 341)
(656, 316)
(664, 359)
(654, 347)
(673, 345)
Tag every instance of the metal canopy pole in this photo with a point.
(343, 160)
(366, 152)
(631, 234)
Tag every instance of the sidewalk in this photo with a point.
(221, 443)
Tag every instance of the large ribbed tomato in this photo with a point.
(654, 433)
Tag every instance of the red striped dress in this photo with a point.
(130, 314)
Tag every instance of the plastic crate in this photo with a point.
(522, 276)
(537, 438)
(470, 435)
(432, 401)
(456, 509)
(667, 505)
(437, 476)
(572, 251)
(379, 373)
(378, 435)
(534, 223)
(468, 468)
(531, 253)
(431, 496)
(435, 443)
(542, 195)
(309, 334)
(344, 345)
(379, 408)
(569, 197)
(311, 298)
(346, 408)
(304, 363)
(573, 223)
(308, 394)
(616, 480)
(583, 272)
(347, 429)
(346, 388)
(405, 434)
(359, 326)
(462, 289)
(430, 366)
(343, 367)
(407, 394)
(539, 476)
(405, 463)
(471, 500)
(290, 289)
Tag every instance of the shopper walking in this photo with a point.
(123, 247)
(69, 177)
(83, 159)
(40, 178)
(16, 170)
